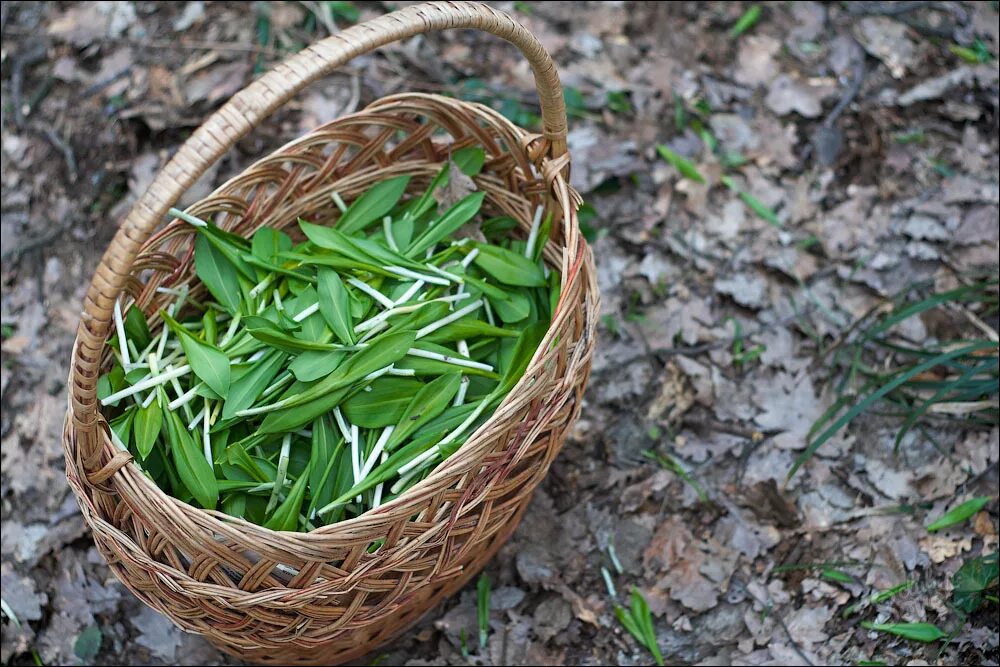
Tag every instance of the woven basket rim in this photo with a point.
(218, 518)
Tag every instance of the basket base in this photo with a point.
(355, 645)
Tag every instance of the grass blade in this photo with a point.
(862, 405)
(681, 164)
(920, 632)
(963, 512)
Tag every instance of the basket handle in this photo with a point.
(233, 121)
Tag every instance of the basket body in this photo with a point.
(329, 596)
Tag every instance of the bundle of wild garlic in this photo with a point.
(319, 380)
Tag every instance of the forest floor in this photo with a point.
(863, 138)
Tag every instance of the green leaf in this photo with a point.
(920, 632)
(88, 643)
(838, 576)
(217, 273)
(270, 333)
(460, 213)
(112, 382)
(122, 425)
(483, 608)
(334, 305)
(384, 405)
(326, 445)
(268, 243)
(429, 402)
(747, 21)
(373, 204)
(509, 267)
(681, 164)
(639, 622)
(312, 365)
(466, 328)
(965, 511)
(973, 579)
(302, 408)
(286, 516)
(136, 327)
(194, 470)
(247, 388)
(755, 205)
(208, 362)
(524, 350)
(469, 160)
(147, 425)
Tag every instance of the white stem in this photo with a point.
(355, 457)
(470, 257)
(399, 310)
(262, 285)
(120, 330)
(184, 398)
(403, 481)
(345, 430)
(286, 376)
(231, 331)
(489, 312)
(402, 372)
(387, 228)
(408, 294)
(379, 373)
(371, 291)
(277, 301)
(529, 247)
(457, 315)
(279, 478)
(338, 201)
(455, 361)
(406, 273)
(376, 451)
(419, 461)
(206, 439)
(450, 277)
(306, 313)
(377, 499)
(147, 383)
(149, 399)
(187, 217)
(197, 419)
(463, 388)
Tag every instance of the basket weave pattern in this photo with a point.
(338, 592)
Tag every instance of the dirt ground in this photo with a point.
(868, 145)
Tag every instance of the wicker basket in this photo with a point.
(321, 597)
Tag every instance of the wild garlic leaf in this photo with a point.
(429, 402)
(509, 267)
(334, 305)
(194, 470)
(208, 362)
(147, 424)
(373, 204)
(312, 365)
(136, 327)
(286, 516)
(325, 449)
(270, 333)
(268, 243)
(384, 405)
(456, 216)
(246, 388)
